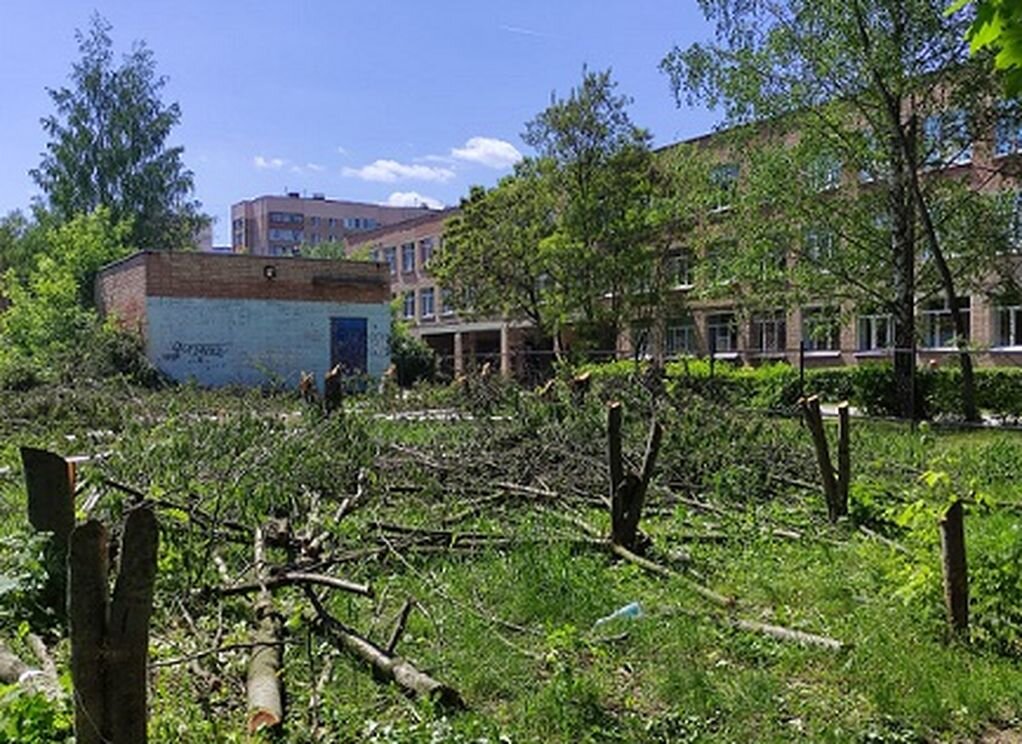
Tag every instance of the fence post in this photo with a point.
(956, 576)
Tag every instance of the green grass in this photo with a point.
(511, 627)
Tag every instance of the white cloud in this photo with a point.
(493, 153)
(413, 199)
(389, 171)
(314, 167)
(341, 150)
(269, 163)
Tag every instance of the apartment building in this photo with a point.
(830, 332)
(461, 343)
(279, 225)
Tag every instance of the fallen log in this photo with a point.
(263, 689)
(387, 667)
(292, 578)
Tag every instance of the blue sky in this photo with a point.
(385, 100)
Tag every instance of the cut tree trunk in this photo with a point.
(265, 698)
(814, 420)
(844, 458)
(50, 482)
(127, 641)
(956, 577)
(87, 608)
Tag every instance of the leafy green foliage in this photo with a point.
(32, 719)
(108, 147)
(413, 359)
(997, 28)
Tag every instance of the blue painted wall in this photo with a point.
(250, 342)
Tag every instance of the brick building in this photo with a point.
(278, 225)
(234, 319)
(836, 333)
(406, 249)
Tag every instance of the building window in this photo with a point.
(332, 222)
(768, 332)
(333, 238)
(678, 269)
(875, 332)
(427, 308)
(287, 217)
(640, 341)
(425, 251)
(820, 246)
(724, 180)
(946, 139)
(408, 257)
(1008, 132)
(824, 173)
(277, 233)
(409, 305)
(937, 328)
(821, 329)
(722, 332)
(1008, 325)
(390, 256)
(716, 267)
(681, 337)
(314, 238)
(446, 301)
(314, 221)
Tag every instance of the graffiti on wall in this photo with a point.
(196, 353)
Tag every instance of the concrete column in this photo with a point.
(459, 355)
(505, 351)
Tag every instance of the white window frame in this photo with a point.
(819, 316)
(390, 256)
(768, 332)
(722, 326)
(935, 323)
(1012, 339)
(408, 298)
(427, 303)
(408, 258)
(872, 323)
(680, 337)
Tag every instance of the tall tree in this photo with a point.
(108, 146)
(601, 175)
(884, 88)
(493, 261)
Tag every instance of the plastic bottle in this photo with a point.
(631, 611)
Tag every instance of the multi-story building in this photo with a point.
(279, 225)
(831, 332)
(407, 248)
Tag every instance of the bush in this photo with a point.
(413, 359)
(870, 387)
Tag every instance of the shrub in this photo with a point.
(413, 359)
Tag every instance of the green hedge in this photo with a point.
(869, 387)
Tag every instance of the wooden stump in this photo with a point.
(50, 483)
(956, 576)
(87, 613)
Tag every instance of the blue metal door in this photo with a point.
(349, 344)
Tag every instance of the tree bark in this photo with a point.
(956, 577)
(844, 458)
(128, 629)
(50, 482)
(814, 420)
(87, 609)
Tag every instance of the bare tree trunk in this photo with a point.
(956, 577)
(50, 482)
(265, 700)
(127, 642)
(87, 613)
